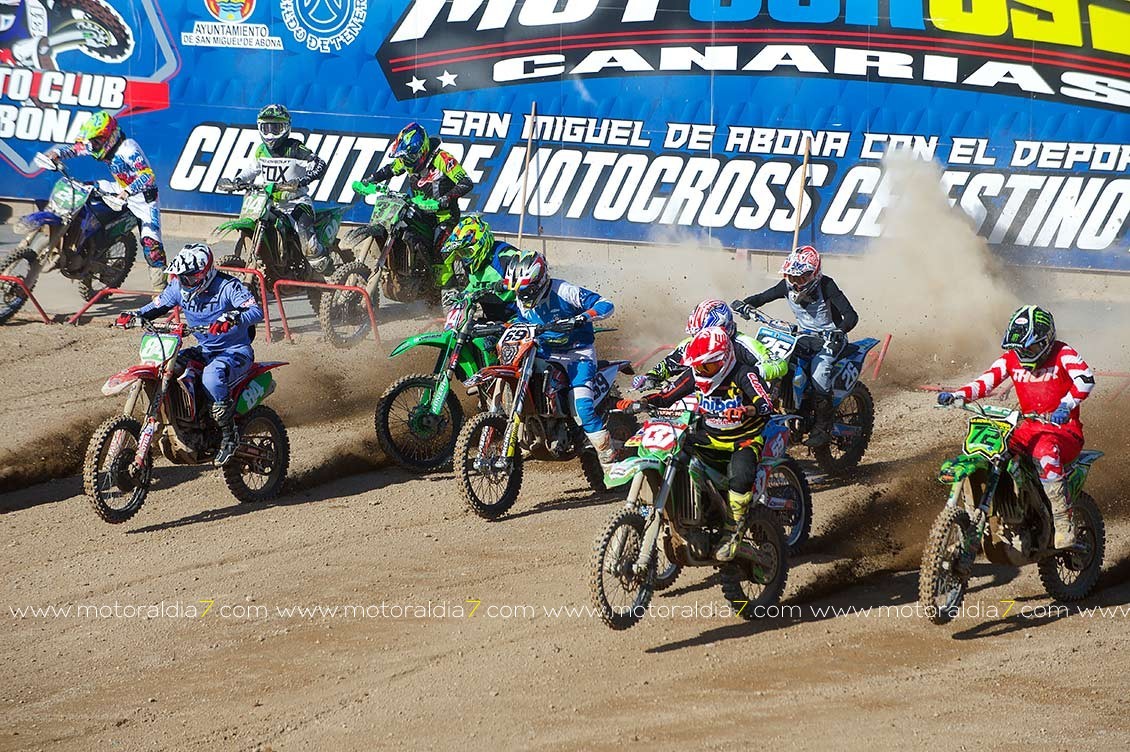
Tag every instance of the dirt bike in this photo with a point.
(686, 506)
(854, 418)
(418, 417)
(86, 234)
(490, 449)
(268, 240)
(997, 505)
(118, 468)
(38, 31)
(395, 255)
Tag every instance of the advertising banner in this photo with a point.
(656, 117)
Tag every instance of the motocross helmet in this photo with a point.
(101, 134)
(801, 271)
(1030, 334)
(711, 313)
(527, 276)
(411, 147)
(194, 269)
(274, 124)
(472, 240)
(710, 354)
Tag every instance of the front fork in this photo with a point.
(516, 410)
(979, 518)
(153, 419)
(654, 520)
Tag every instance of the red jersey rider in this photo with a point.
(1052, 379)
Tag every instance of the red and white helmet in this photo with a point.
(801, 270)
(710, 354)
(527, 276)
(711, 313)
(194, 269)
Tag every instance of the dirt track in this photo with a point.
(361, 534)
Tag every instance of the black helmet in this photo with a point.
(1031, 334)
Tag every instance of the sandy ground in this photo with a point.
(419, 671)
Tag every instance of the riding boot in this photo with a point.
(739, 506)
(605, 449)
(223, 412)
(823, 412)
(322, 264)
(1056, 491)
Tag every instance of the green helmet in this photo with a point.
(274, 123)
(473, 240)
(1031, 334)
(101, 133)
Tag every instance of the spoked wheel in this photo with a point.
(343, 314)
(752, 585)
(1071, 575)
(489, 481)
(787, 483)
(855, 418)
(115, 487)
(409, 432)
(943, 578)
(110, 267)
(258, 469)
(23, 263)
(619, 594)
(666, 569)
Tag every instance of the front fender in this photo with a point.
(959, 468)
(35, 220)
(239, 224)
(428, 339)
(122, 379)
(622, 472)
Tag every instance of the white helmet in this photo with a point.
(194, 269)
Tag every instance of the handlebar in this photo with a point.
(747, 312)
(995, 411)
(170, 327)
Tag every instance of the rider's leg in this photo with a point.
(316, 253)
(148, 214)
(743, 467)
(220, 373)
(580, 366)
(822, 373)
(1051, 451)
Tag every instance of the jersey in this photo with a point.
(827, 309)
(1064, 379)
(225, 293)
(442, 177)
(565, 300)
(769, 367)
(287, 148)
(128, 164)
(497, 306)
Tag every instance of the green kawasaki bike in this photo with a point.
(419, 416)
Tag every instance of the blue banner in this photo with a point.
(654, 117)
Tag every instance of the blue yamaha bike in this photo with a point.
(854, 418)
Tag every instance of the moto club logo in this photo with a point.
(324, 25)
(439, 46)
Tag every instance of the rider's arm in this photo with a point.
(589, 302)
(845, 315)
(143, 178)
(315, 165)
(239, 298)
(754, 389)
(671, 364)
(986, 383)
(167, 301)
(382, 174)
(1082, 378)
(683, 386)
(457, 175)
(776, 292)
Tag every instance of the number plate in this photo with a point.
(67, 196)
(253, 205)
(778, 343)
(511, 343)
(454, 317)
(386, 211)
(157, 348)
(987, 437)
(659, 436)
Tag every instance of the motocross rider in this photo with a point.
(101, 137)
(485, 260)
(274, 127)
(712, 313)
(817, 303)
(1050, 377)
(730, 390)
(221, 302)
(432, 173)
(543, 301)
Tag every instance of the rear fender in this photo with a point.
(123, 379)
(622, 472)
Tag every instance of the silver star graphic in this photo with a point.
(447, 79)
(416, 85)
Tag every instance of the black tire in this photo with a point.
(343, 316)
(251, 479)
(936, 577)
(113, 270)
(841, 456)
(115, 43)
(507, 483)
(105, 471)
(410, 448)
(23, 262)
(792, 484)
(613, 555)
(748, 587)
(1069, 576)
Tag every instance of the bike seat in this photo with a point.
(849, 350)
(625, 365)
